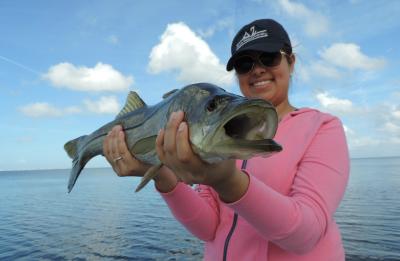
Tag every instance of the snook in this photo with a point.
(222, 126)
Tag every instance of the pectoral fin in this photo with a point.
(149, 175)
(144, 145)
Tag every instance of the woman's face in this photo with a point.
(269, 83)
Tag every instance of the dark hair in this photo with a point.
(289, 51)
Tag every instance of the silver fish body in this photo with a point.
(222, 126)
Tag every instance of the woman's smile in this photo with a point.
(261, 84)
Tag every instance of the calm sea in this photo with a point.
(102, 218)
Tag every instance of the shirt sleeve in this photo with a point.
(297, 221)
(196, 209)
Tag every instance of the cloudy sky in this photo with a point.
(66, 66)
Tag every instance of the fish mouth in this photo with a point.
(250, 126)
(253, 120)
(247, 125)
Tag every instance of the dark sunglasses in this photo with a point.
(245, 63)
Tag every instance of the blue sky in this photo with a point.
(66, 66)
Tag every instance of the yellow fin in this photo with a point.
(133, 102)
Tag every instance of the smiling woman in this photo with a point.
(276, 208)
(339, 67)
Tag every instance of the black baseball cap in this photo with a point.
(265, 35)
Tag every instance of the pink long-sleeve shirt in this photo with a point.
(287, 210)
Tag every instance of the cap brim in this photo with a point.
(259, 47)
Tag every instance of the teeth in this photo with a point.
(261, 83)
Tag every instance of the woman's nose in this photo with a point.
(258, 69)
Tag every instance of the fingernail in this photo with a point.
(173, 115)
(181, 126)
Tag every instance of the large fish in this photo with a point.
(222, 126)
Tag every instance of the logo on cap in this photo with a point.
(252, 35)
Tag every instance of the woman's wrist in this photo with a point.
(166, 180)
(232, 188)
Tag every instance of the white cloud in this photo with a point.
(113, 39)
(102, 77)
(396, 114)
(303, 72)
(181, 50)
(40, 109)
(347, 129)
(356, 140)
(218, 26)
(318, 68)
(105, 105)
(44, 109)
(315, 23)
(334, 104)
(392, 127)
(390, 122)
(336, 59)
(373, 130)
(375, 127)
(325, 70)
(349, 56)
(71, 110)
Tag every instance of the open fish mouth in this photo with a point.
(249, 122)
(248, 129)
(250, 125)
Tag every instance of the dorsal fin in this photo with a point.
(133, 102)
(166, 95)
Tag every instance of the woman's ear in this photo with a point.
(292, 61)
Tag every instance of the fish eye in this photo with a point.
(216, 101)
(212, 105)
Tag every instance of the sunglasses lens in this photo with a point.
(243, 64)
(270, 59)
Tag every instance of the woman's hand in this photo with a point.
(125, 164)
(117, 154)
(174, 150)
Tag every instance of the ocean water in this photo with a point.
(103, 219)
(369, 215)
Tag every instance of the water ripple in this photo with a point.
(104, 219)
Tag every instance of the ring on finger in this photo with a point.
(117, 159)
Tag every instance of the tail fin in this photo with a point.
(72, 147)
(77, 166)
(78, 161)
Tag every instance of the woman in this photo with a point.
(276, 208)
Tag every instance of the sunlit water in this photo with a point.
(102, 218)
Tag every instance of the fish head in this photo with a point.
(224, 125)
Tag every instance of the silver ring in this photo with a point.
(117, 159)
